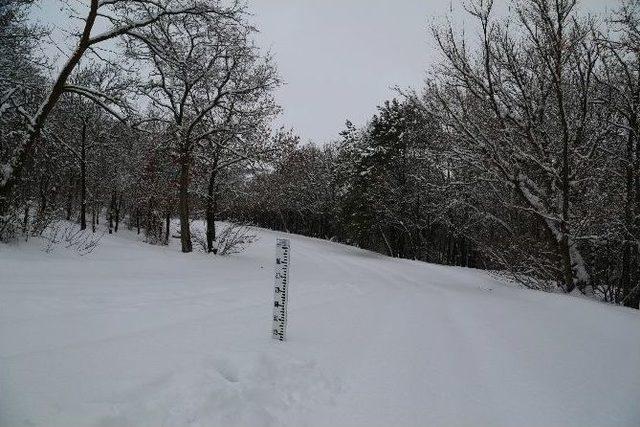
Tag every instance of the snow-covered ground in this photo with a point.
(139, 335)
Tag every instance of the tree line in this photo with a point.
(520, 153)
(156, 103)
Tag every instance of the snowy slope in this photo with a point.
(137, 335)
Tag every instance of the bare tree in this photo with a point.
(201, 65)
(520, 112)
(125, 18)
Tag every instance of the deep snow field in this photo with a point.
(141, 335)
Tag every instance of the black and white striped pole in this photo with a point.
(281, 289)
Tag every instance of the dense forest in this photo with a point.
(520, 154)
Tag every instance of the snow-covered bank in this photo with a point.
(137, 335)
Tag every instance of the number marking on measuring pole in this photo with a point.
(281, 289)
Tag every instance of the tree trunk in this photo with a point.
(183, 204)
(83, 179)
(94, 218)
(111, 211)
(567, 271)
(72, 185)
(117, 211)
(167, 227)
(212, 208)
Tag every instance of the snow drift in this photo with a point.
(137, 335)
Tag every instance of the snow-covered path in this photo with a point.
(137, 335)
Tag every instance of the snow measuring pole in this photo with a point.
(281, 289)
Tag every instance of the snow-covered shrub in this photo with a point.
(199, 239)
(233, 238)
(70, 236)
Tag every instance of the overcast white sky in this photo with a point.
(340, 58)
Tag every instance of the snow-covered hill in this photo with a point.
(137, 335)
